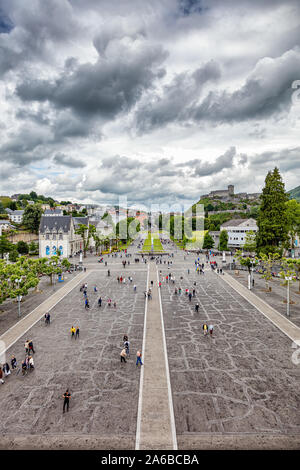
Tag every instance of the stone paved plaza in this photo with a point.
(104, 392)
(240, 382)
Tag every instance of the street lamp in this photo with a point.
(19, 298)
(288, 279)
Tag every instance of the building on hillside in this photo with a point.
(15, 197)
(237, 230)
(224, 193)
(58, 233)
(15, 216)
(31, 203)
(45, 206)
(53, 212)
(228, 195)
(5, 225)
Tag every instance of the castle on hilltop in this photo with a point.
(228, 194)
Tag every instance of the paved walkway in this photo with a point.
(156, 424)
(20, 328)
(284, 324)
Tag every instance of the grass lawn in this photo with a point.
(157, 246)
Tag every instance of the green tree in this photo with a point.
(22, 247)
(287, 270)
(13, 205)
(223, 241)
(32, 247)
(13, 254)
(16, 279)
(86, 233)
(33, 195)
(208, 241)
(267, 262)
(5, 245)
(250, 242)
(66, 264)
(32, 217)
(295, 266)
(272, 218)
(293, 221)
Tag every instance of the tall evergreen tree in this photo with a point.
(32, 217)
(272, 217)
(223, 241)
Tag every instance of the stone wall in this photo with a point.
(23, 236)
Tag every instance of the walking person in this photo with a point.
(26, 345)
(6, 369)
(30, 363)
(13, 362)
(99, 302)
(30, 343)
(73, 331)
(211, 329)
(197, 308)
(1, 376)
(66, 397)
(86, 303)
(77, 332)
(123, 355)
(205, 329)
(139, 358)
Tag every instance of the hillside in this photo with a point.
(295, 193)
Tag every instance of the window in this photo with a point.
(60, 236)
(54, 237)
(47, 236)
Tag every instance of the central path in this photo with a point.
(156, 424)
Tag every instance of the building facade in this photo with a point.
(57, 235)
(237, 230)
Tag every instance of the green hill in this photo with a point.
(295, 193)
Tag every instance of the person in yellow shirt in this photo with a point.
(73, 331)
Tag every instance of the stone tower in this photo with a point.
(230, 189)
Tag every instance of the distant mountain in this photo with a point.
(295, 193)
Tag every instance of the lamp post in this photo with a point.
(19, 298)
(288, 279)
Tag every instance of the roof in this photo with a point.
(55, 223)
(235, 222)
(3, 221)
(8, 210)
(53, 211)
(17, 212)
(80, 220)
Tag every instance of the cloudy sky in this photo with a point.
(157, 100)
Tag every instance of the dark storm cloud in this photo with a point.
(172, 105)
(105, 88)
(66, 160)
(188, 7)
(38, 28)
(286, 159)
(66, 125)
(6, 25)
(267, 92)
(25, 146)
(199, 168)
